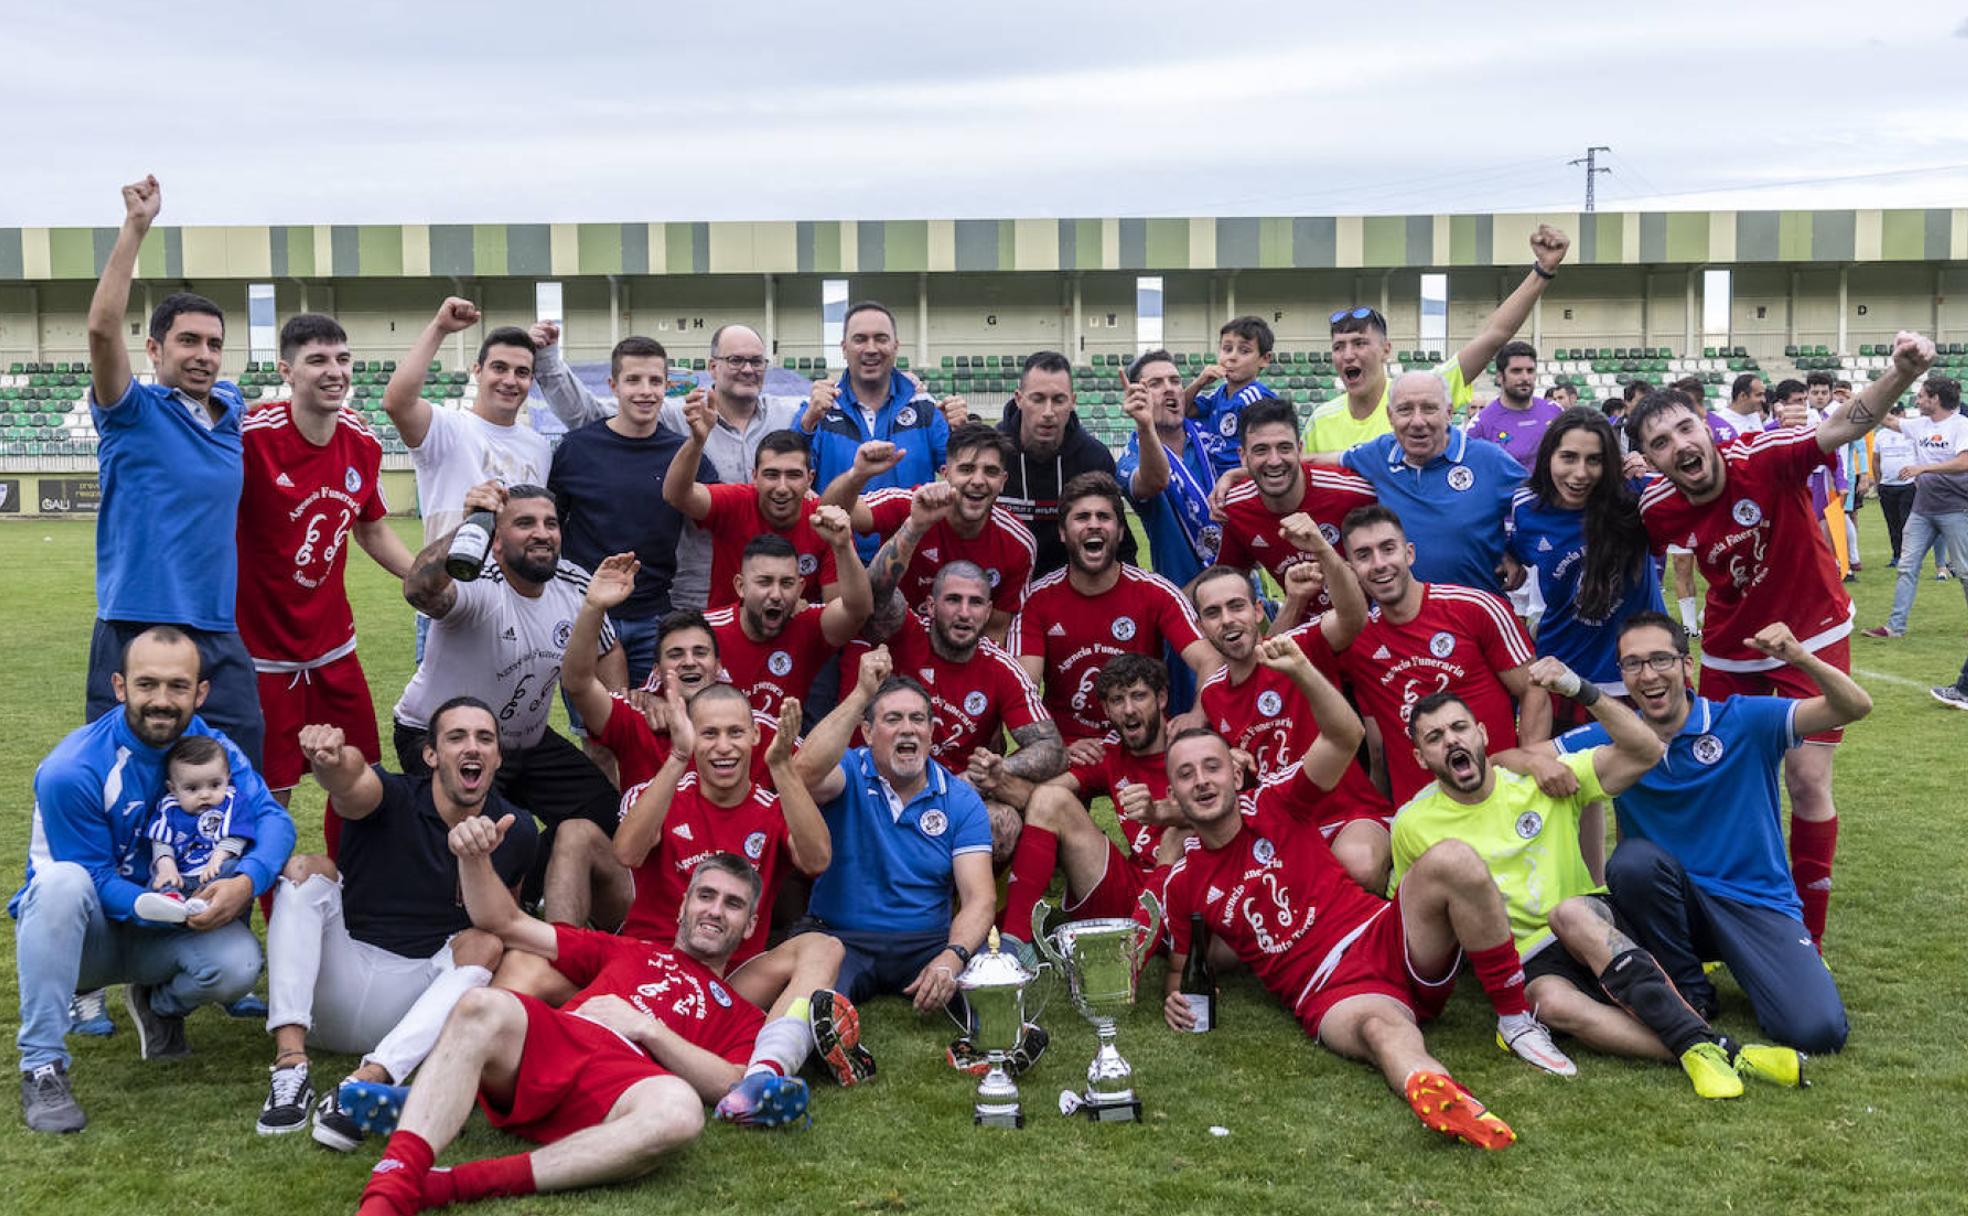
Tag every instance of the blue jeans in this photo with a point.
(1924, 532)
(64, 944)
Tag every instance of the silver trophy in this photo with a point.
(1101, 962)
(994, 985)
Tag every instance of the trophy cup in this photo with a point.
(993, 985)
(1100, 961)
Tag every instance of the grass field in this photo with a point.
(1306, 1130)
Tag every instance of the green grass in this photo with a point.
(1307, 1131)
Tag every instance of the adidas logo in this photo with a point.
(1258, 542)
(681, 831)
(1544, 544)
(929, 555)
(284, 482)
(1057, 631)
(1382, 654)
(1215, 893)
(927, 676)
(510, 635)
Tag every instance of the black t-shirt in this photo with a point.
(608, 489)
(400, 888)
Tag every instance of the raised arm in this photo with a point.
(428, 587)
(1841, 701)
(1152, 475)
(1194, 389)
(871, 460)
(817, 764)
(1533, 704)
(580, 676)
(641, 828)
(681, 489)
(403, 396)
(1340, 729)
(354, 789)
(1548, 246)
(109, 358)
(1912, 356)
(1349, 602)
(488, 901)
(812, 845)
(566, 396)
(1635, 748)
(930, 502)
(842, 617)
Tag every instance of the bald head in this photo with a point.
(739, 385)
(1418, 412)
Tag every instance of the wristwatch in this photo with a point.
(1539, 270)
(963, 955)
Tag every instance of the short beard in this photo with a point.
(534, 571)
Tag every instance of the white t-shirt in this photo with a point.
(1936, 441)
(503, 648)
(462, 449)
(1894, 451)
(1745, 424)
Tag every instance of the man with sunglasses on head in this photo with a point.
(742, 418)
(1361, 350)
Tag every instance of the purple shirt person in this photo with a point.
(1517, 430)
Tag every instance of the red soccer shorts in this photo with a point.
(1376, 963)
(334, 694)
(1784, 681)
(571, 1074)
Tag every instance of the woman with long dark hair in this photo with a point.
(1576, 529)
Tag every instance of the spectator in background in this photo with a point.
(1052, 449)
(1745, 410)
(1516, 419)
(1563, 394)
(1893, 453)
(744, 417)
(1940, 492)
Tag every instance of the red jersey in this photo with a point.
(1120, 767)
(639, 751)
(1250, 529)
(693, 829)
(735, 519)
(296, 510)
(1270, 718)
(1005, 549)
(1076, 634)
(1760, 549)
(975, 702)
(664, 983)
(769, 672)
(1274, 892)
(1462, 641)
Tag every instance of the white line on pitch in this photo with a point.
(1902, 681)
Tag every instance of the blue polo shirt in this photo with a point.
(1550, 543)
(908, 419)
(165, 547)
(893, 864)
(1453, 508)
(1712, 803)
(1177, 520)
(1221, 413)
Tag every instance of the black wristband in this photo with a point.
(963, 955)
(1542, 273)
(1587, 694)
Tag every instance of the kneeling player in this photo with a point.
(1356, 969)
(1585, 974)
(610, 1083)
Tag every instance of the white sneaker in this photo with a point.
(162, 907)
(1525, 1036)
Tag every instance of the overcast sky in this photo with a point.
(416, 112)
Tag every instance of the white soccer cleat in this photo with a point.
(1526, 1037)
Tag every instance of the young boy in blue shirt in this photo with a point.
(1243, 351)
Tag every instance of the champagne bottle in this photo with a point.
(469, 545)
(1198, 985)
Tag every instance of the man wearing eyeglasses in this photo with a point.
(1361, 350)
(741, 418)
(1700, 871)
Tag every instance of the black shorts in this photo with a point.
(554, 779)
(1554, 959)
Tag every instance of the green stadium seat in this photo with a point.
(903, 363)
(948, 363)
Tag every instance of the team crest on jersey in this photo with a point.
(562, 631)
(934, 823)
(808, 564)
(1461, 477)
(1442, 645)
(755, 845)
(1228, 427)
(1269, 703)
(975, 702)
(1330, 533)
(719, 995)
(352, 480)
(780, 663)
(1529, 824)
(1707, 749)
(1746, 513)
(1264, 851)
(211, 822)
(906, 416)
(1123, 628)
(991, 573)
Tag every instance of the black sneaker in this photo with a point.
(287, 1101)
(47, 1102)
(158, 1037)
(332, 1125)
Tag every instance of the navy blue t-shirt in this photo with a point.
(609, 491)
(400, 889)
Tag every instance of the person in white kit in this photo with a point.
(501, 638)
(369, 951)
(454, 450)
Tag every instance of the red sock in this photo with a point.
(1501, 973)
(439, 1190)
(492, 1178)
(1032, 864)
(1812, 844)
(396, 1186)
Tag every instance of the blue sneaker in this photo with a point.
(373, 1106)
(88, 1014)
(249, 1006)
(765, 1099)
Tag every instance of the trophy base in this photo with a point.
(997, 1116)
(1112, 1112)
